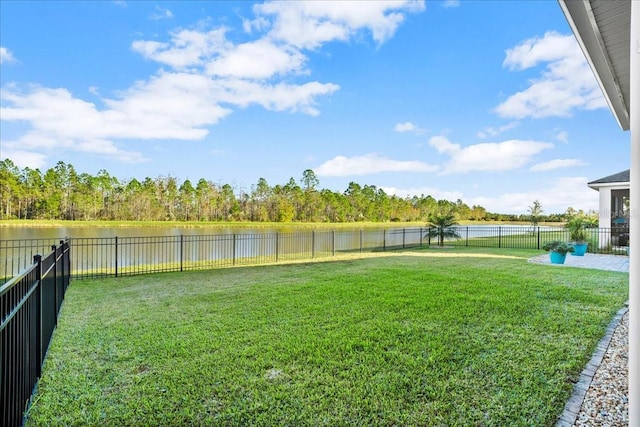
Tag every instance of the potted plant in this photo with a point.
(577, 227)
(558, 250)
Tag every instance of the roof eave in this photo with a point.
(598, 185)
(580, 18)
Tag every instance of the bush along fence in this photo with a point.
(120, 256)
(29, 308)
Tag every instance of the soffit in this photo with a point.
(603, 30)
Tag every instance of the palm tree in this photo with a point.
(442, 225)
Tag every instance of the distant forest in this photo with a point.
(62, 193)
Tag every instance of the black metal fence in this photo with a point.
(29, 308)
(120, 256)
(17, 255)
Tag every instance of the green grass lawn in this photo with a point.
(425, 337)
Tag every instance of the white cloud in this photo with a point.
(238, 74)
(259, 24)
(280, 97)
(556, 164)
(555, 196)
(502, 156)
(168, 106)
(187, 48)
(6, 56)
(369, 164)
(491, 131)
(208, 77)
(212, 53)
(42, 145)
(106, 148)
(38, 141)
(161, 13)
(405, 127)
(408, 127)
(531, 52)
(566, 84)
(24, 159)
(451, 3)
(309, 24)
(562, 136)
(258, 60)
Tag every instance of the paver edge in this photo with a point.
(569, 415)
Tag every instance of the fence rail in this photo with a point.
(122, 256)
(29, 308)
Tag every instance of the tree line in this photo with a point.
(63, 193)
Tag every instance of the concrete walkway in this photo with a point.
(595, 261)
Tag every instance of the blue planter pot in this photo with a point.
(557, 257)
(579, 249)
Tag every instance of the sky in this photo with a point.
(490, 102)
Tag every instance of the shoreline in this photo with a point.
(34, 223)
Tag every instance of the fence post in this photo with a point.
(37, 259)
(62, 264)
(499, 237)
(333, 242)
(181, 250)
(313, 244)
(62, 268)
(68, 263)
(277, 246)
(233, 255)
(403, 234)
(420, 231)
(54, 249)
(117, 256)
(384, 240)
(538, 238)
(467, 239)
(61, 274)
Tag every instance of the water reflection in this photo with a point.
(144, 249)
(134, 250)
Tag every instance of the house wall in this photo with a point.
(634, 223)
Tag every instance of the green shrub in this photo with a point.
(558, 246)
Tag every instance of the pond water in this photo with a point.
(46, 232)
(108, 248)
(60, 232)
(111, 247)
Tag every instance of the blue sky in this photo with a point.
(490, 102)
